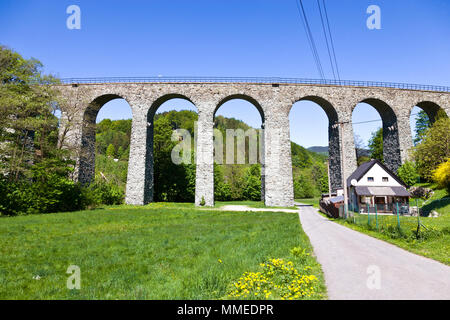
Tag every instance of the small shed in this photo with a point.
(331, 205)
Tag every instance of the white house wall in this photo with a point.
(377, 172)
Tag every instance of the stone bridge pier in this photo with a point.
(82, 101)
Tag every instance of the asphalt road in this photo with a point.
(359, 267)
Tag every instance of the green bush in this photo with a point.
(304, 188)
(48, 190)
(202, 202)
(104, 193)
(11, 198)
(252, 183)
(407, 172)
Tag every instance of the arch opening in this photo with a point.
(383, 142)
(105, 142)
(241, 99)
(238, 149)
(171, 122)
(422, 117)
(313, 147)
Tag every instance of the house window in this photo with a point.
(370, 179)
(385, 179)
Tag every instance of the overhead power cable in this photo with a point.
(326, 40)
(331, 39)
(377, 120)
(310, 37)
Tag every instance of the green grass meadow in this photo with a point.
(160, 251)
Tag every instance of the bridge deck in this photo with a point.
(258, 80)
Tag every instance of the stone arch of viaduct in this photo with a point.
(274, 102)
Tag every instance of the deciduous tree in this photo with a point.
(434, 148)
(376, 145)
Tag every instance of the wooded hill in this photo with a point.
(177, 182)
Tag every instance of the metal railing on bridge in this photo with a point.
(256, 80)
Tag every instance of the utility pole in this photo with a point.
(344, 180)
(329, 179)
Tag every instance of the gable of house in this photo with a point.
(374, 173)
(377, 176)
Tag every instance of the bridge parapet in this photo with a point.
(259, 80)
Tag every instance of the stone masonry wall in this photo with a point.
(274, 103)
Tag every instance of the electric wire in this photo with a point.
(377, 120)
(310, 37)
(326, 39)
(331, 39)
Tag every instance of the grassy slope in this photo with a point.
(161, 251)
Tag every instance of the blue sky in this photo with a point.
(235, 38)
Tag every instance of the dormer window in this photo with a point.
(385, 179)
(370, 179)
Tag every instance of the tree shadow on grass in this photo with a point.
(435, 206)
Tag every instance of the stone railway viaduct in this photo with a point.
(272, 97)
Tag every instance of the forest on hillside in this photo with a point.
(177, 182)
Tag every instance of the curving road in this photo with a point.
(359, 267)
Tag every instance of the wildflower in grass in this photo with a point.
(220, 261)
(279, 279)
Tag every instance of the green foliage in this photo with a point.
(113, 171)
(184, 119)
(434, 148)
(48, 190)
(202, 202)
(113, 135)
(376, 145)
(309, 172)
(173, 182)
(442, 175)
(303, 188)
(407, 172)
(35, 177)
(301, 158)
(111, 151)
(222, 123)
(362, 159)
(423, 123)
(252, 183)
(100, 192)
(28, 127)
(222, 190)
